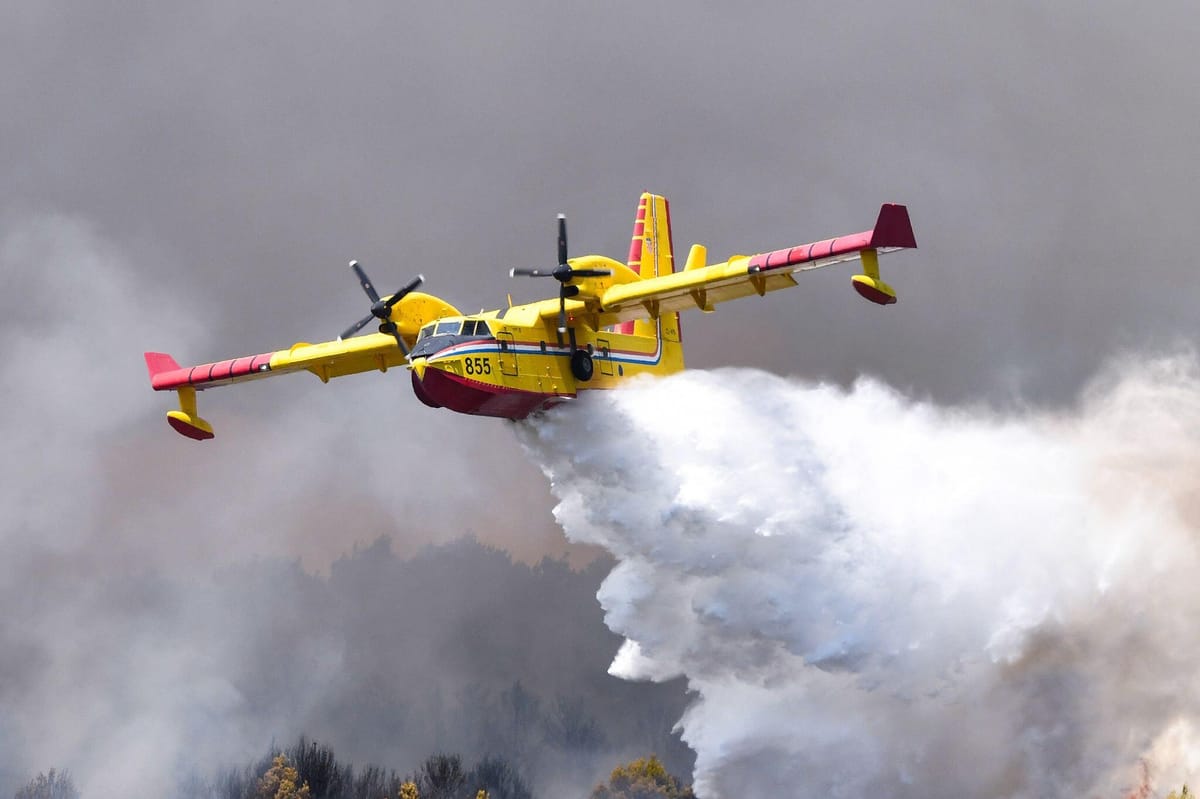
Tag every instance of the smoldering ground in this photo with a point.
(876, 595)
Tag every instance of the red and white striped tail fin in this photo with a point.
(652, 254)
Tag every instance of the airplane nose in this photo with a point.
(418, 366)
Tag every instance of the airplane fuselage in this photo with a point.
(491, 364)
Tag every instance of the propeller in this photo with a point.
(563, 273)
(380, 309)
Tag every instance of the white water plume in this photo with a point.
(871, 594)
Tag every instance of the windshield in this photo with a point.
(470, 327)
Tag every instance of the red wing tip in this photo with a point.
(159, 362)
(893, 228)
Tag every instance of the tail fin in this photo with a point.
(650, 251)
(652, 254)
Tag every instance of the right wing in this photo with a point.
(701, 286)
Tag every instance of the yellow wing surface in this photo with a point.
(326, 360)
(702, 286)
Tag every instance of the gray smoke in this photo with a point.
(193, 179)
(876, 595)
(158, 622)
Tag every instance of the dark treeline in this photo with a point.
(318, 768)
(312, 771)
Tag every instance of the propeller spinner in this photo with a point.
(380, 309)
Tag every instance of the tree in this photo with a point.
(54, 785)
(1185, 794)
(645, 778)
(497, 779)
(280, 782)
(441, 777)
(317, 766)
(520, 713)
(569, 726)
(408, 790)
(369, 783)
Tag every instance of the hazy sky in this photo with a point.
(194, 178)
(240, 155)
(230, 159)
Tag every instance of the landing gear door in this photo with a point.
(508, 354)
(604, 356)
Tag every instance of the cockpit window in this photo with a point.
(469, 327)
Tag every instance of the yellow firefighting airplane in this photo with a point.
(610, 322)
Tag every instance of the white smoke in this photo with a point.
(872, 594)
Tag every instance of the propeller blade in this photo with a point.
(365, 281)
(390, 327)
(357, 326)
(380, 309)
(562, 314)
(591, 272)
(399, 295)
(529, 273)
(562, 238)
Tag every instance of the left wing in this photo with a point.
(325, 360)
(329, 359)
(701, 286)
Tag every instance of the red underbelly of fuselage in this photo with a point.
(438, 388)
